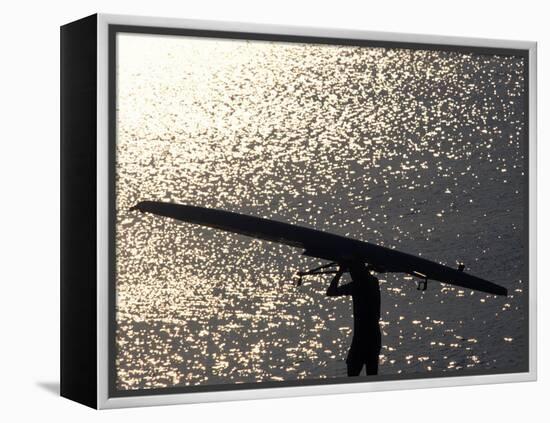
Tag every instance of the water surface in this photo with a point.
(421, 151)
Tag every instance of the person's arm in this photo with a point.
(333, 289)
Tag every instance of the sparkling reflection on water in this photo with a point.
(415, 150)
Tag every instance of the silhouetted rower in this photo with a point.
(367, 339)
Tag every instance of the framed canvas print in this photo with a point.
(258, 211)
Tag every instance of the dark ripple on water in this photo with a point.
(415, 150)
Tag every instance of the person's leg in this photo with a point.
(354, 360)
(372, 363)
(373, 350)
(354, 368)
(374, 341)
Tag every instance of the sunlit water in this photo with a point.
(416, 150)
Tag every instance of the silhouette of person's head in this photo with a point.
(358, 270)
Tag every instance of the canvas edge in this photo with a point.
(103, 399)
(78, 282)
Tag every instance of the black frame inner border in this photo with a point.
(114, 29)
